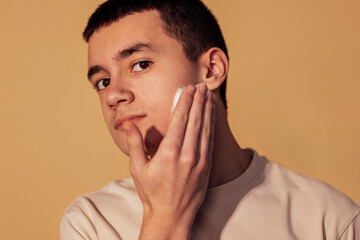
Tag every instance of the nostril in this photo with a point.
(118, 102)
(118, 96)
(122, 100)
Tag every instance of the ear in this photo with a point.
(214, 67)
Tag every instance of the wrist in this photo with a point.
(165, 225)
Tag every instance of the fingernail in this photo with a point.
(202, 87)
(191, 90)
(209, 96)
(208, 92)
(176, 99)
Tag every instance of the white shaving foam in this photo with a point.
(176, 98)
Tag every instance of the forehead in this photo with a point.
(144, 26)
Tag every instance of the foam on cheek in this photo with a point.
(176, 98)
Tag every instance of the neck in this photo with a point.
(229, 161)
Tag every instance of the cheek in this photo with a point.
(106, 114)
(158, 110)
(160, 114)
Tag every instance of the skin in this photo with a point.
(190, 151)
(145, 92)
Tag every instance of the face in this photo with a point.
(136, 69)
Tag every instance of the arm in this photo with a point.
(173, 184)
(77, 222)
(352, 232)
(83, 221)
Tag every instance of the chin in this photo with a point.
(152, 139)
(149, 150)
(123, 148)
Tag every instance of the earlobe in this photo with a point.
(214, 65)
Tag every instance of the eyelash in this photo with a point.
(96, 85)
(139, 62)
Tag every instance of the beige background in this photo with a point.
(293, 95)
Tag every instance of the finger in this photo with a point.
(207, 133)
(135, 146)
(193, 128)
(179, 119)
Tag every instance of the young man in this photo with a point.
(190, 178)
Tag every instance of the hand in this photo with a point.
(172, 185)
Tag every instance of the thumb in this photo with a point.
(135, 147)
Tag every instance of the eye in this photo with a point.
(140, 66)
(102, 83)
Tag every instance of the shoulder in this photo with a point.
(305, 187)
(102, 210)
(310, 198)
(122, 191)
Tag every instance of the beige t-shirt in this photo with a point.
(266, 202)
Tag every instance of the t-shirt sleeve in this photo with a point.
(77, 223)
(352, 232)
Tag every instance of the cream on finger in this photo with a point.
(178, 94)
(176, 98)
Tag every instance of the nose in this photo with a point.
(118, 95)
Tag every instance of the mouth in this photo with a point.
(132, 118)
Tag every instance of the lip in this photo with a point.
(132, 118)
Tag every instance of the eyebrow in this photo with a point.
(125, 53)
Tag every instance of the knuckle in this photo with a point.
(189, 159)
(196, 121)
(171, 151)
(202, 165)
(207, 168)
(133, 141)
(199, 99)
(186, 167)
(203, 170)
(180, 117)
(207, 129)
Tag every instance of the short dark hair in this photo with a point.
(188, 21)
